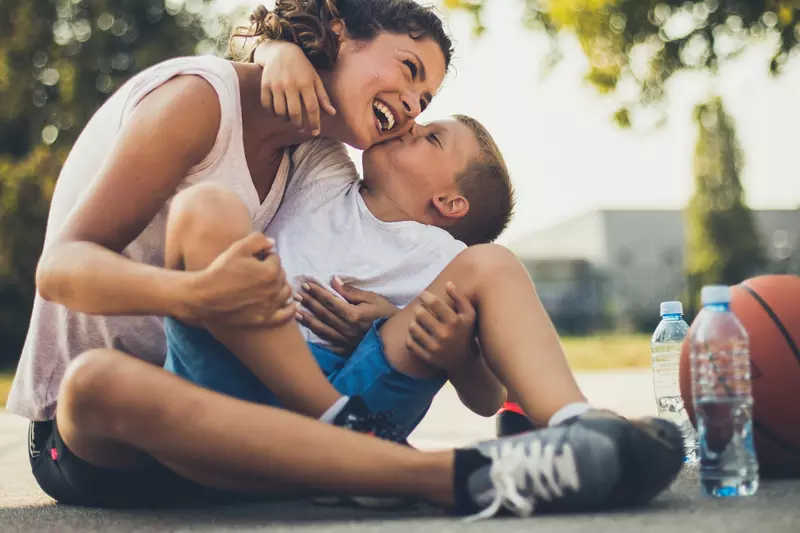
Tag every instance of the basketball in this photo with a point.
(769, 309)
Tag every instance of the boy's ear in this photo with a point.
(452, 206)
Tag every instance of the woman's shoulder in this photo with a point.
(193, 63)
(217, 72)
(318, 151)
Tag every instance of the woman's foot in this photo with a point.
(594, 461)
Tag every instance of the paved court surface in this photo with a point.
(776, 507)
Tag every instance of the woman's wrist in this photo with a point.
(265, 46)
(179, 291)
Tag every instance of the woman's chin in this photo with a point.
(363, 141)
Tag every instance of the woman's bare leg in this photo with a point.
(204, 221)
(517, 338)
(113, 407)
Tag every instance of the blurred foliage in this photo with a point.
(59, 60)
(722, 243)
(635, 46)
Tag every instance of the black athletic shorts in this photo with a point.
(71, 480)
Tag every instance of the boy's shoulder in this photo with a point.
(321, 161)
(315, 151)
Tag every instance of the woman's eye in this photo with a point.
(412, 68)
(423, 105)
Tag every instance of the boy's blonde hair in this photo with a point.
(486, 185)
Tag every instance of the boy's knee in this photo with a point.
(204, 205)
(203, 221)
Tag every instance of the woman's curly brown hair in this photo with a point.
(307, 23)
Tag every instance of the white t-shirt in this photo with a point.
(324, 229)
(56, 334)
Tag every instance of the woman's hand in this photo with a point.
(290, 85)
(244, 286)
(443, 333)
(342, 323)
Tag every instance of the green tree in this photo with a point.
(59, 60)
(642, 43)
(722, 243)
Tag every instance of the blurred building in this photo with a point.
(611, 268)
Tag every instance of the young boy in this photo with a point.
(424, 197)
(394, 233)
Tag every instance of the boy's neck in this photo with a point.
(384, 208)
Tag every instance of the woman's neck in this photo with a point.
(264, 135)
(260, 124)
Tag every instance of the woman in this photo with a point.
(198, 121)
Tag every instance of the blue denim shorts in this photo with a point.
(197, 356)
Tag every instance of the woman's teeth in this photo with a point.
(384, 115)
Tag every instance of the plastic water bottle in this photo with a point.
(720, 355)
(665, 347)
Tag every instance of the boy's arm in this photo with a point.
(291, 86)
(477, 386)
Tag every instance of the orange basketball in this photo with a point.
(769, 308)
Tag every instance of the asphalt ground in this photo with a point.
(775, 508)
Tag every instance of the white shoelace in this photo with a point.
(514, 464)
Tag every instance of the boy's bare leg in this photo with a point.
(517, 338)
(204, 221)
(112, 407)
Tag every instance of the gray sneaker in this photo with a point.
(595, 461)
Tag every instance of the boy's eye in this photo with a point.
(412, 68)
(434, 139)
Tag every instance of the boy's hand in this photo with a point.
(342, 323)
(290, 85)
(443, 334)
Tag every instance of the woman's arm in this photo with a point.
(343, 323)
(171, 130)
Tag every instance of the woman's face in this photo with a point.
(379, 87)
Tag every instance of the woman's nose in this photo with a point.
(411, 104)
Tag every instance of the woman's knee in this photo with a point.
(88, 385)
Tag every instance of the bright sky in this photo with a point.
(565, 154)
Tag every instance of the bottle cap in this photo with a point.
(715, 294)
(671, 308)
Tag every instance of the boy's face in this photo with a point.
(421, 165)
